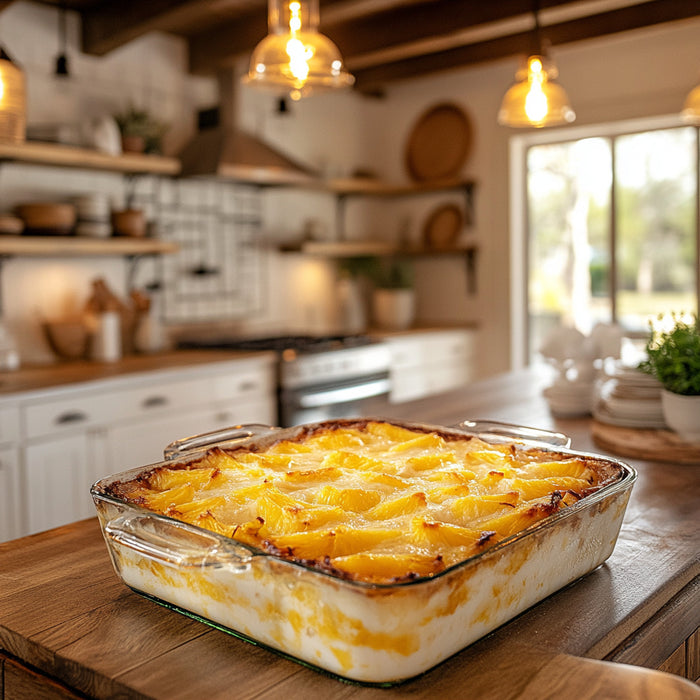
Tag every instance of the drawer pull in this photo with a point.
(247, 385)
(154, 402)
(70, 417)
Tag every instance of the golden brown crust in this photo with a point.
(370, 500)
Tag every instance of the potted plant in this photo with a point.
(393, 298)
(140, 131)
(673, 357)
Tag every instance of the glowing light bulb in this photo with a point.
(294, 17)
(299, 57)
(536, 103)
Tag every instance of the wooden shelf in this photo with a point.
(40, 153)
(353, 249)
(378, 188)
(75, 245)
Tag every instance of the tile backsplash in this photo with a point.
(217, 275)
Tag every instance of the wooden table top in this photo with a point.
(64, 611)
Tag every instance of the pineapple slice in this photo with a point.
(402, 505)
(353, 499)
(165, 479)
(163, 500)
(427, 441)
(442, 535)
(470, 508)
(536, 488)
(385, 568)
(431, 461)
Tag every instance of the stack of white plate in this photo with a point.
(631, 399)
(94, 215)
(569, 399)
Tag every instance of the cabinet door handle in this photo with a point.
(70, 417)
(154, 402)
(247, 385)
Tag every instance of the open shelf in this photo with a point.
(74, 245)
(40, 153)
(378, 188)
(354, 249)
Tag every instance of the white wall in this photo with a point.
(641, 73)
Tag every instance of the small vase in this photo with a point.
(682, 414)
(393, 309)
(133, 144)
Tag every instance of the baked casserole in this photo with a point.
(367, 548)
(369, 501)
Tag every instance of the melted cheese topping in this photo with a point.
(368, 500)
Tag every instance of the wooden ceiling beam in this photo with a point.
(223, 44)
(359, 27)
(644, 15)
(109, 25)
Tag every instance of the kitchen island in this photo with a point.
(69, 628)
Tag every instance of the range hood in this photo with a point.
(220, 148)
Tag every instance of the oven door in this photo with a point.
(362, 396)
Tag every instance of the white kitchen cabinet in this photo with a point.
(429, 362)
(9, 490)
(9, 472)
(135, 443)
(67, 438)
(55, 482)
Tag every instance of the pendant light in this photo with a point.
(691, 107)
(13, 101)
(295, 58)
(535, 99)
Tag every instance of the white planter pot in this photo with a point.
(682, 414)
(393, 309)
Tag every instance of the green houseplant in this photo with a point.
(673, 357)
(140, 131)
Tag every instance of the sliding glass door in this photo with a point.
(611, 230)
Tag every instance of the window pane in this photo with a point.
(655, 222)
(569, 188)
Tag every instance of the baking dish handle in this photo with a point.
(204, 440)
(517, 432)
(175, 543)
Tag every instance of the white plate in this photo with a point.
(604, 416)
(633, 409)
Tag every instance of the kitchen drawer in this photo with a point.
(151, 398)
(9, 424)
(431, 347)
(259, 382)
(55, 416)
(94, 407)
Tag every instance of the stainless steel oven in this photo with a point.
(336, 382)
(323, 377)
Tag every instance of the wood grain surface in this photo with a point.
(65, 614)
(659, 445)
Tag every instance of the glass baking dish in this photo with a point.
(378, 634)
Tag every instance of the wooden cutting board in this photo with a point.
(439, 143)
(645, 443)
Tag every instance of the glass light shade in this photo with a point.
(294, 57)
(691, 107)
(13, 101)
(535, 99)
